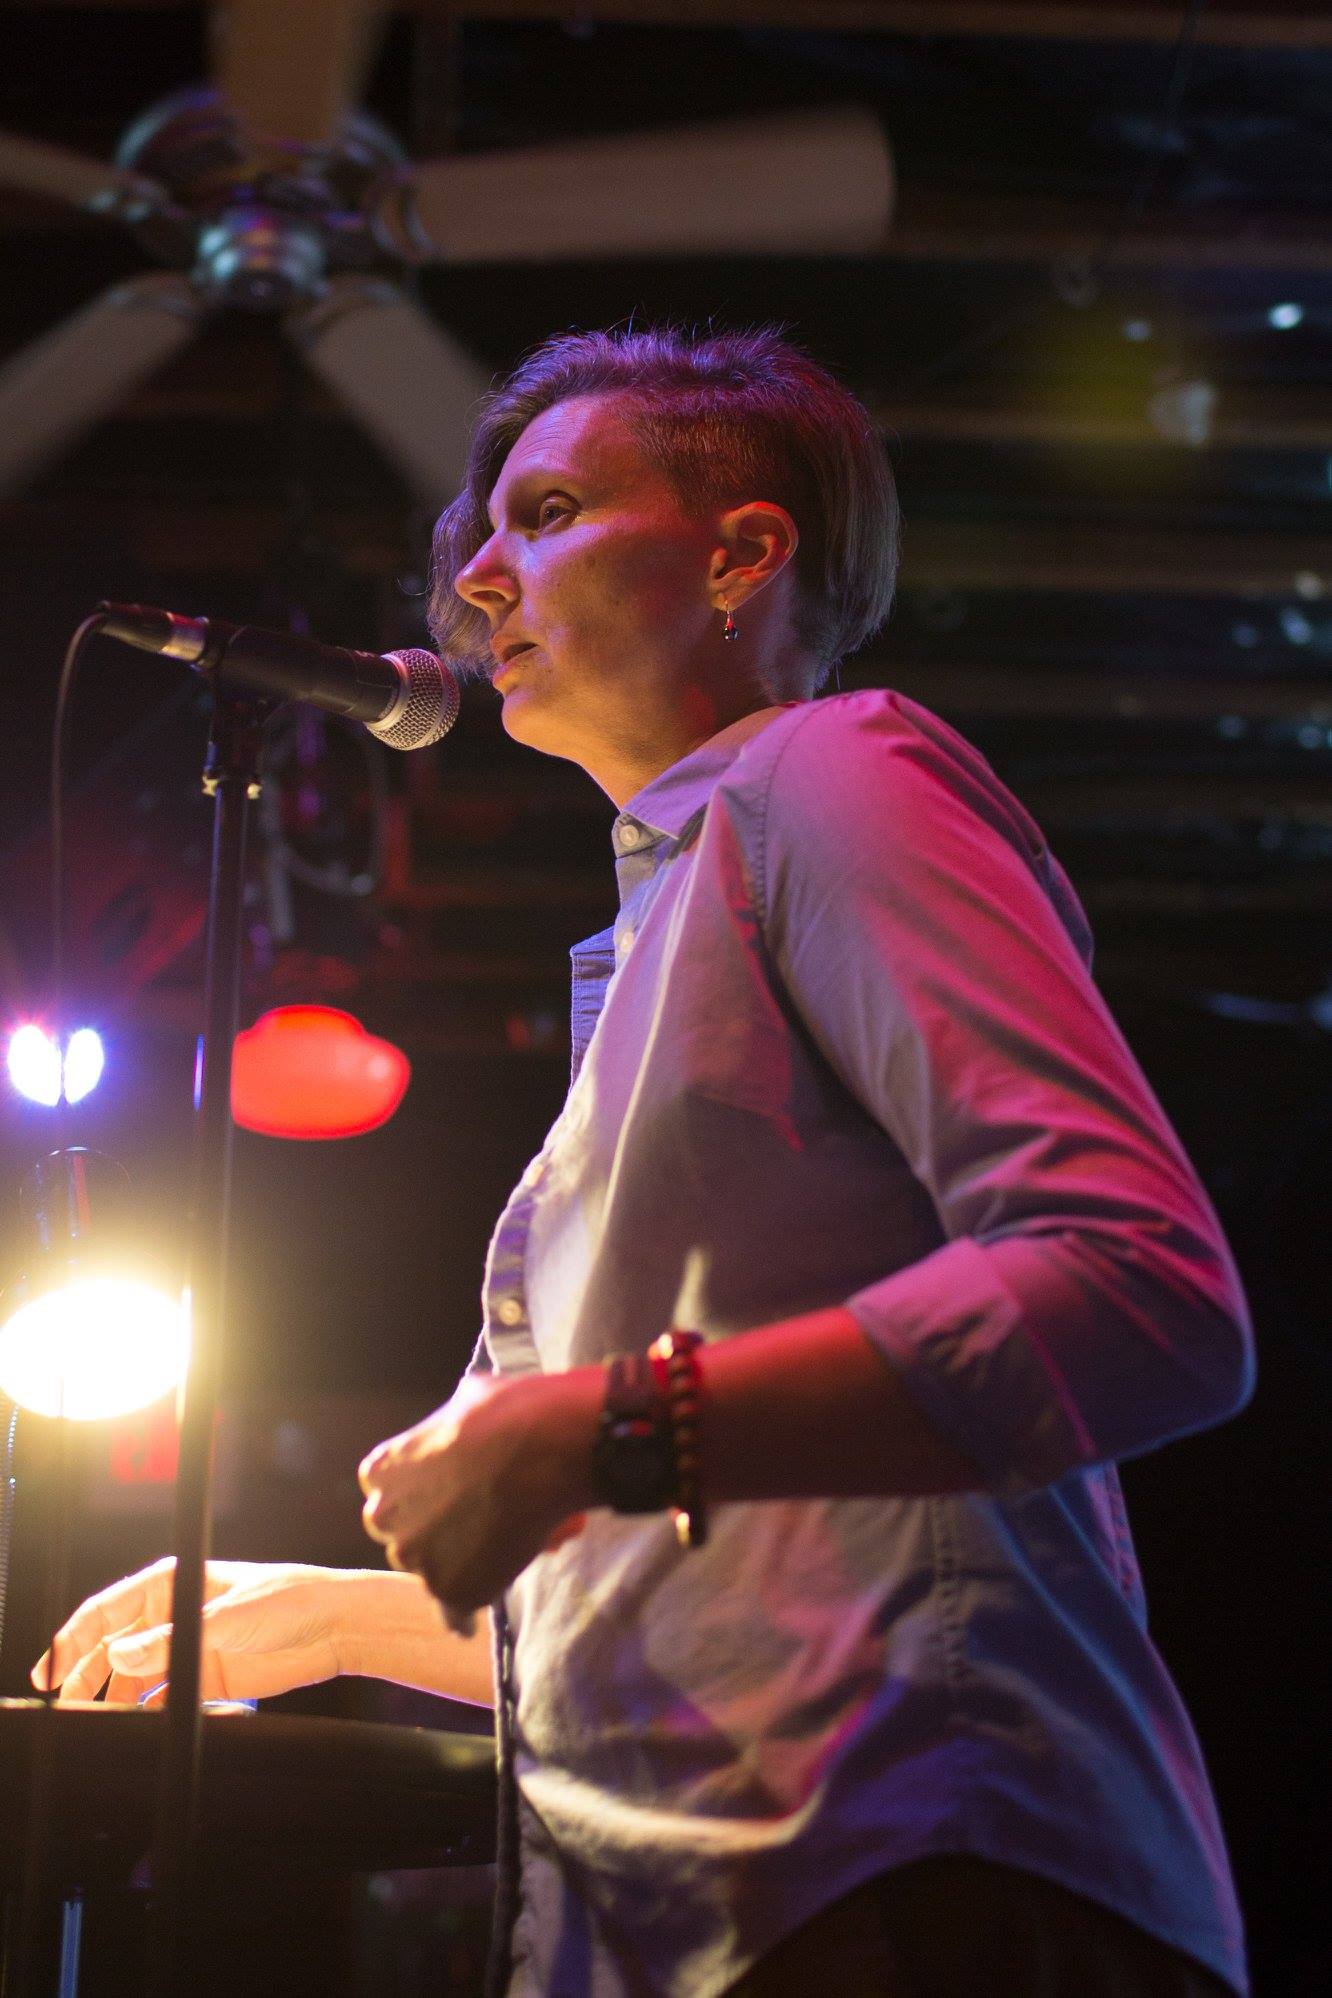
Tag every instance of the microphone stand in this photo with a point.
(231, 779)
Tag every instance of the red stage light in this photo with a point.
(144, 1448)
(313, 1072)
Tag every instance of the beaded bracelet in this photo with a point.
(679, 1376)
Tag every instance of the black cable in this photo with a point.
(6, 1514)
(59, 757)
(508, 1838)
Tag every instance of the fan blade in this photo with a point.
(292, 69)
(408, 382)
(807, 181)
(56, 175)
(55, 389)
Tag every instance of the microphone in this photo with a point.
(406, 699)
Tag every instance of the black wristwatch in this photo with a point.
(633, 1459)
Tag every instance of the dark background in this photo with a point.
(1093, 213)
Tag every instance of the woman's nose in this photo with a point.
(485, 582)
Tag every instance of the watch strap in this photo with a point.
(633, 1457)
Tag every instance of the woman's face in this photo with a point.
(596, 570)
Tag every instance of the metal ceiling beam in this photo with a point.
(1099, 558)
(212, 538)
(1226, 23)
(1267, 419)
(196, 389)
(1143, 803)
(950, 226)
(934, 225)
(1022, 695)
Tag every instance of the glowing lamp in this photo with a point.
(84, 1062)
(37, 1072)
(34, 1065)
(97, 1347)
(314, 1072)
(84, 1334)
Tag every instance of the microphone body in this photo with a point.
(406, 699)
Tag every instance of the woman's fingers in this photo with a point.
(126, 1605)
(140, 1668)
(98, 1667)
(143, 1662)
(141, 1655)
(256, 1643)
(124, 1690)
(88, 1677)
(265, 1629)
(140, 1600)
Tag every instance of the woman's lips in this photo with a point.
(520, 652)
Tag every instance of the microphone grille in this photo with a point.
(429, 705)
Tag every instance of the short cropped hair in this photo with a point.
(727, 418)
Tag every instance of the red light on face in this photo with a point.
(313, 1072)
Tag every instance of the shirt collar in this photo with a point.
(665, 807)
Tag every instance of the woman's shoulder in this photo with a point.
(870, 766)
(870, 780)
(870, 725)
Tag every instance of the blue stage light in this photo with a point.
(85, 1059)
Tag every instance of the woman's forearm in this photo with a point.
(802, 1408)
(394, 1629)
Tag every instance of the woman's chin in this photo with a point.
(521, 717)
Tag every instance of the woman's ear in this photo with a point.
(756, 541)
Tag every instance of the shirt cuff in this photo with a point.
(954, 1333)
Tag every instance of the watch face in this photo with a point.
(635, 1466)
(648, 1480)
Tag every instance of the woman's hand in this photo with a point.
(497, 1475)
(266, 1628)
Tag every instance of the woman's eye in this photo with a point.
(552, 509)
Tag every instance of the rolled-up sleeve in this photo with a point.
(1084, 1305)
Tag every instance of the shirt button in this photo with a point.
(509, 1311)
(630, 835)
(624, 942)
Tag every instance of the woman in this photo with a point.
(847, 1104)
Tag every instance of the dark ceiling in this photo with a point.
(1116, 471)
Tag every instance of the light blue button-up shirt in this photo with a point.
(842, 1047)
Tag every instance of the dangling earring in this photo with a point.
(730, 629)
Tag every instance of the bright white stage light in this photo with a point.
(96, 1347)
(34, 1065)
(84, 1062)
(1286, 315)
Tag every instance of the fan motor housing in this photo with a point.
(260, 259)
(194, 144)
(272, 217)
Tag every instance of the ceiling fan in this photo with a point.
(268, 189)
